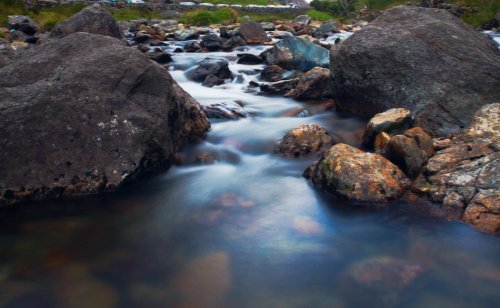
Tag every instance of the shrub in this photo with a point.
(202, 17)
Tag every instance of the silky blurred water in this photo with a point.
(245, 231)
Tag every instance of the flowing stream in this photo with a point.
(244, 231)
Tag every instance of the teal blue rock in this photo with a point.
(296, 53)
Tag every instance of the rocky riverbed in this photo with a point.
(332, 155)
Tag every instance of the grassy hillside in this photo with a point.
(484, 9)
(48, 17)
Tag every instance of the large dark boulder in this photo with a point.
(422, 59)
(86, 114)
(6, 52)
(92, 19)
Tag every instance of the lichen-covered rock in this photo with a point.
(295, 53)
(305, 140)
(86, 114)
(313, 84)
(465, 172)
(392, 121)
(484, 211)
(253, 33)
(92, 19)
(355, 175)
(423, 59)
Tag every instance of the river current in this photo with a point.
(244, 231)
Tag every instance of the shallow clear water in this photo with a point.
(245, 231)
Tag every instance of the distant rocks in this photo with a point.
(253, 33)
(425, 60)
(186, 34)
(212, 42)
(296, 53)
(86, 114)
(24, 24)
(92, 19)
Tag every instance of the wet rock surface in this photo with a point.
(305, 140)
(358, 176)
(90, 121)
(92, 19)
(296, 53)
(464, 172)
(279, 87)
(273, 73)
(313, 85)
(410, 151)
(211, 66)
(453, 70)
(225, 110)
(392, 121)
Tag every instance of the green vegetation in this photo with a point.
(133, 13)
(484, 9)
(48, 17)
(202, 17)
(318, 15)
(240, 2)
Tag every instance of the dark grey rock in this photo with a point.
(425, 60)
(86, 114)
(92, 19)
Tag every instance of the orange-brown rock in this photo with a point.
(304, 140)
(465, 172)
(484, 211)
(392, 121)
(353, 174)
(410, 151)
